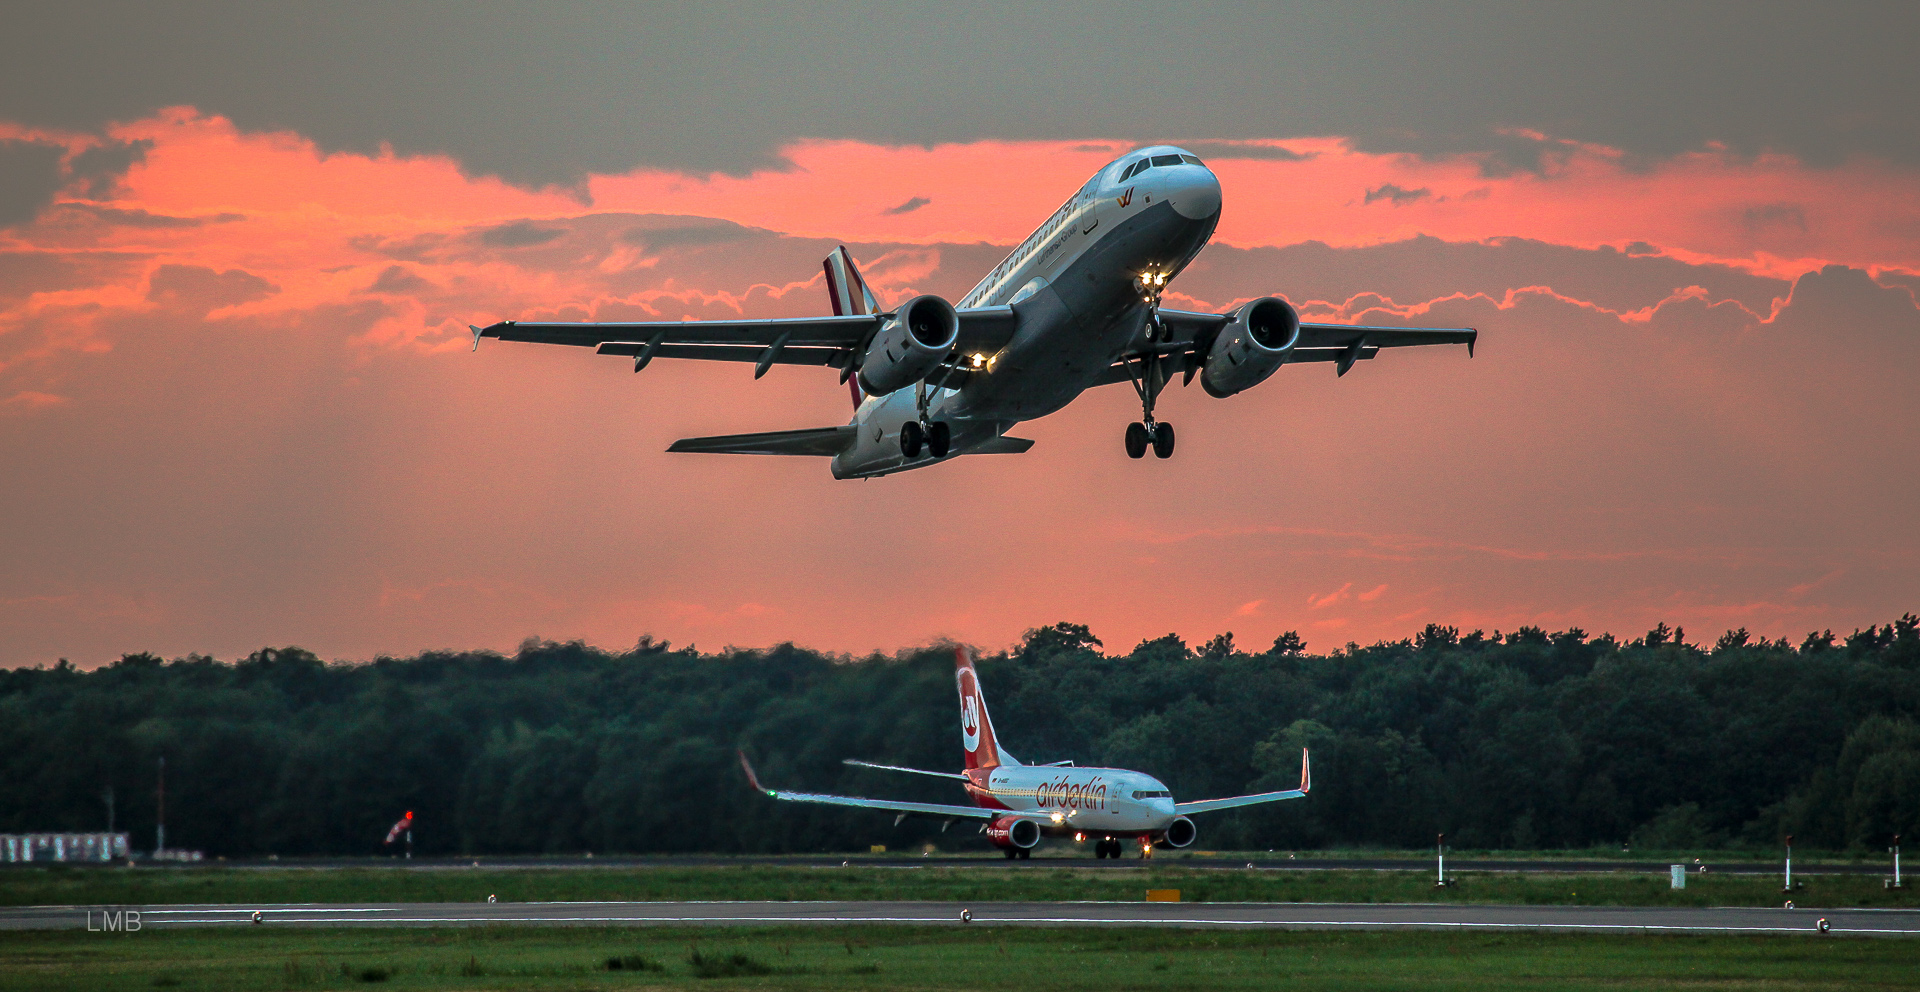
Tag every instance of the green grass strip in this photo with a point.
(1057, 960)
(1029, 882)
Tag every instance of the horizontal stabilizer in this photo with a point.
(822, 441)
(1002, 446)
(927, 809)
(897, 768)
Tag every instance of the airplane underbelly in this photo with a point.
(1073, 327)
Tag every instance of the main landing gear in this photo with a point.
(936, 435)
(1019, 852)
(937, 438)
(1155, 434)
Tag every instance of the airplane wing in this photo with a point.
(1204, 805)
(1340, 343)
(829, 341)
(931, 809)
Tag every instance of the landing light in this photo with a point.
(1057, 818)
(1079, 838)
(977, 359)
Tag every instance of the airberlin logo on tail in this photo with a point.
(969, 712)
(1125, 199)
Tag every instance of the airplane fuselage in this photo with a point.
(1113, 802)
(1074, 286)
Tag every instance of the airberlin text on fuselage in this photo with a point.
(1068, 794)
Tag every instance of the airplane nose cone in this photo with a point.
(1197, 197)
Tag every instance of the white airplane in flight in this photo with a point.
(1077, 305)
(1018, 804)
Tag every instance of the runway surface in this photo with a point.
(1577, 919)
(992, 859)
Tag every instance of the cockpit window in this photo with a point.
(1191, 159)
(1131, 169)
(1152, 794)
(1166, 160)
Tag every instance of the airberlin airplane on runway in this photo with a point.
(1077, 305)
(1018, 804)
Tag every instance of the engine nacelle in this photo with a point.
(1180, 832)
(1014, 833)
(1251, 347)
(914, 341)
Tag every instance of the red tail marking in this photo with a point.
(976, 727)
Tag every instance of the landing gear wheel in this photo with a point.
(1011, 854)
(1163, 440)
(1026, 853)
(939, 438)
(1137, 439)
(910, 438)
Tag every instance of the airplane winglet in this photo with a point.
(752, 779)
(1306, 773)
(475, 328)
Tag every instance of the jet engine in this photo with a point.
(910, 346)
(1250, 348)
(1180, 832)
(1018, 833)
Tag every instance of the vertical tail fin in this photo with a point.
(848, 293)
(976, 726)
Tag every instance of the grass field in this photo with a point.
(1031, 881)
(944, 958)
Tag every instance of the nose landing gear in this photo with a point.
(1150, 377)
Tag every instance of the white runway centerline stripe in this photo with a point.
(1376, 916)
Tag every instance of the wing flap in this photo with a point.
(832, 332)
(1348, 335)
(790, 355)
(983, 331)
(818, 441)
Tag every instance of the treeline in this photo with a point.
(1521, 740)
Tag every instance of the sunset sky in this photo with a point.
(240, 245)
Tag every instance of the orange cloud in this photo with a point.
(27, 401)
(1321, 602)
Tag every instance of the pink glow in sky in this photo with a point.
(237, 407)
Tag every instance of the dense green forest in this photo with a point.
(1528, 739)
